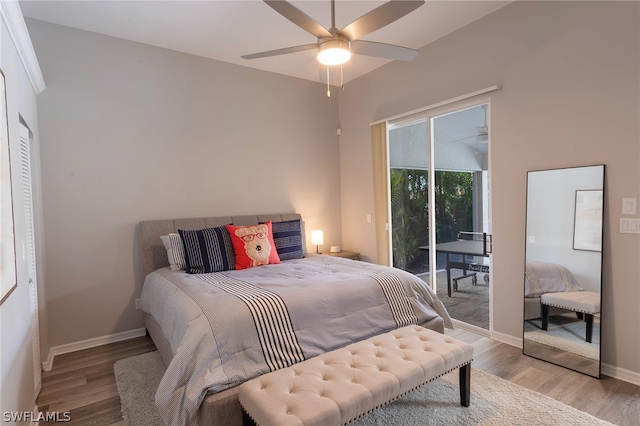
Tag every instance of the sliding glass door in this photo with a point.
(409, 194)
(438, 186)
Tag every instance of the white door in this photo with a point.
(29, 249)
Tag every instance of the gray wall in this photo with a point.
(133, 132)
(569, 73)
(17, 387)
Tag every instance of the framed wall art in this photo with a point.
(8, 278)
(587, 230)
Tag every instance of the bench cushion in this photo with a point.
(579, 301)
(342, 385)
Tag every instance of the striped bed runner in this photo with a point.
(273, 324)
(397, 298)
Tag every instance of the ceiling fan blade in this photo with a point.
(298, 17)
(281, 51)
(382, 50)
(379, 17)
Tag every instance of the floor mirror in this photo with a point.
(563, 268)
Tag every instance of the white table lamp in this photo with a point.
(317, 238)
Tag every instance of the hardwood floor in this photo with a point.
(609, 399)
(83, 382)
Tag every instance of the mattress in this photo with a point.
(228, 327)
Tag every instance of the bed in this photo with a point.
(542, 278)
(212, 333)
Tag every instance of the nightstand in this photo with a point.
(345, 254)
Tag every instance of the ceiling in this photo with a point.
(225, 30)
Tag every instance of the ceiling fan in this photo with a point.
(336, 46)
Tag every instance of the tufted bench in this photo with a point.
(583, 302)
(342, 385)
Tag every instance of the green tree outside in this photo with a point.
(409, 212)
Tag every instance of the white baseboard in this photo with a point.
(34, 418)
(606, 369)
(90, 343)
(500, 337)
(632, 377)
(469, 327)
(507, 338)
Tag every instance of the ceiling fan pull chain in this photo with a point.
(328, 88)
(341, 78)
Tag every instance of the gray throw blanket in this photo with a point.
(545, 277)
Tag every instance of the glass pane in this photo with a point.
(461, 213)
(409, 190)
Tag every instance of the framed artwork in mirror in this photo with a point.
(587, 227)
(8, 279)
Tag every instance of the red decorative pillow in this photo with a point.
(253, 245)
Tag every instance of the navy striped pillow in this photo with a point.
(287, 236)
(208, 250)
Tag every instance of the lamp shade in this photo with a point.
(334, 52)
(317, 237)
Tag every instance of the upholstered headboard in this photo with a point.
(152, 251)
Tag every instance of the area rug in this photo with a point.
(567, 334)
(494, 401)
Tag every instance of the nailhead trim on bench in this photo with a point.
(406, 393)
(555, 305)
(573, 303)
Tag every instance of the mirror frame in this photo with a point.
(587, 366)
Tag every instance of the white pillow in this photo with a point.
(175, 251)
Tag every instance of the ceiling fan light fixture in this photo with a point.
(334, 52)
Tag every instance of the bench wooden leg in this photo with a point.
(589, 318)
(545, 317)
(465, 385)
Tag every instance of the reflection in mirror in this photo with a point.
(563, 271)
